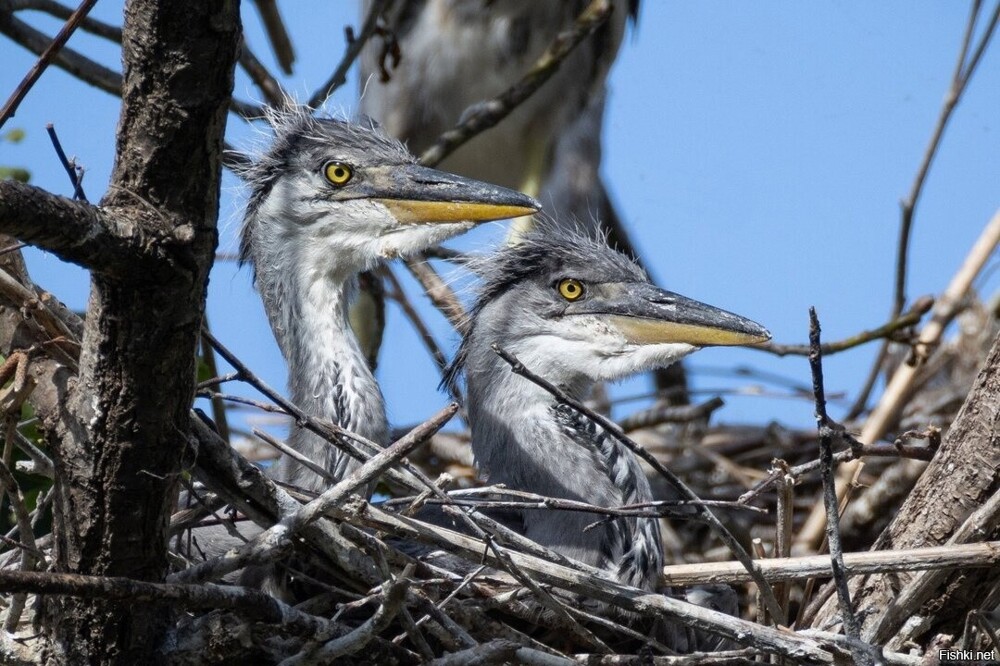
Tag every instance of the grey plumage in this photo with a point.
(524, 438)
(458, 52)
(307, 238)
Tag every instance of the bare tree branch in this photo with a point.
(355, 44)
(66, 59)
(10, 108)
(78, 232)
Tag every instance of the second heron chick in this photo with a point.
(327, 200)
(575, 312)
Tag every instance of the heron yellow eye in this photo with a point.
(337, 173)
(570, 289)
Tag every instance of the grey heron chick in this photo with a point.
(575, 312)
(329, 199)
(457, 53)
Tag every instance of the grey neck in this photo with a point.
(523, 438)
(329, 377)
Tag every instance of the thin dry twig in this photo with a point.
(851, 625)
(268, 545)
(886, 331)
(355, 44)
(71, 168)
(399, 296)
(441, 295)
(965, 67)
(946, 307)
(262, 78)
(10, 108)
(935, 558)
(109, 32)
(393, 595)
(663, 413)
(251, 603)
(486, 114)
(281, 44)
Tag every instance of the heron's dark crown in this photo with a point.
(547, 254)
(302, 139)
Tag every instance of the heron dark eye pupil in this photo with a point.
(570, 289)
(337, 174)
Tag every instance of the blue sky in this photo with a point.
(758, 150)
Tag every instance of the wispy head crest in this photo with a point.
(293, 128)
(548, 248)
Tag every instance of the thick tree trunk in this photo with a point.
(150, 246)
(953, 501)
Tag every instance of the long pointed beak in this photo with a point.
(416, 194)
(646, 314)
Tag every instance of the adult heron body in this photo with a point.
(575, 312)
(329, 199)
(455, 53)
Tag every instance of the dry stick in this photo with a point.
(397, 294)
(393, 595)
(263, 547)
(296, 456)
(620, 628)
(783, 533)
(545, 599)
(484, 525)
(657, 509)
(247, 602)
(854, 453)
(13, 248)
(671, 414)
(851, 625)
(358, 447)
(333, 433)
(74, 177)
(959, 81)
(67, 59)
(247, 488)
(93, 26)
(38, 462)
(611, 429)
(441, 295)
(900, 322)
(963, 73)
(29, 559)
(354, 47)
(936, 558)
(437, 611)
(945, 309)
(757, 549)
(281, 44)
(917, 591)
(218, 406)
(10, 108)
(599, 587)
(722, 658)
(262, 78)
(64, 341)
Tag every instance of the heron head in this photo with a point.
(573, 309)
(351, 195)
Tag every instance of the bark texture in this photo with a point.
(952, 502)
(118, 440)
